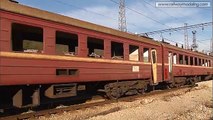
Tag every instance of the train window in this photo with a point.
(27, 38)
(203, 62)
(133, 53)
(186, 60)
(206, 63)
(199, 62)
(180, 59)
(191, 61)
(117, 50)
(66, 43)
(146, 54)
(209, 63)
(196, 61)
(174, 58)
(95, 47)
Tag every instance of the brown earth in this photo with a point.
(185, 104)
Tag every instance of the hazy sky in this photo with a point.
(147, 18)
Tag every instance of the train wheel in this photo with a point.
(192, 81)
(142, 90)
(170, 85)
(113, 92)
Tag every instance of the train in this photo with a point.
(46, 56)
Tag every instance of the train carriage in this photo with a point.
(49, 56)
(181, 64)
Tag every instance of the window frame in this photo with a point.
(28, 25)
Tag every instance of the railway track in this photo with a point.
(48, 112)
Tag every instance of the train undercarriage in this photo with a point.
(30, 96)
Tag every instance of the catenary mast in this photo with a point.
(122, 16)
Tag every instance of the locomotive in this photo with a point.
(46, 56)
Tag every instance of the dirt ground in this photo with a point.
(185, 104)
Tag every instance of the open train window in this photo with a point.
(145, 54)
(206, 63)
(117, 50)
(180, 59)
(199, 62)
(133, 53)
(196, 61)
(27, 38)
(95, 47)
(66, 43)
(191, 61)
(209, 63)
(186, 60)
(203, 62)
(174, 58)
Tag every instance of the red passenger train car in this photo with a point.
(49, 56)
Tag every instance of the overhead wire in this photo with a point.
(149, 17)
(68, 4)
(90, 11)
(145, 16)
(142, 14)
(168, 15)
(162, 11)
(172, 41)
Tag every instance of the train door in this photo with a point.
(154, 65)
(170, 62)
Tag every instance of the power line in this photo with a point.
(114, 18)
(145, 16)
(204, 40)
(172, 41)
(163, 11)
(68, 4)
(185, 30)
(200, 41)
(149, 17)
(142, 14)
(178, 28)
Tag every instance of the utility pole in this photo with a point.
(122, 16)
(194, 43)
(186, 42)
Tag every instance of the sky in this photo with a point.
(141, 16)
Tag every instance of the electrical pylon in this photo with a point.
(122, 16)
(186, 42)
